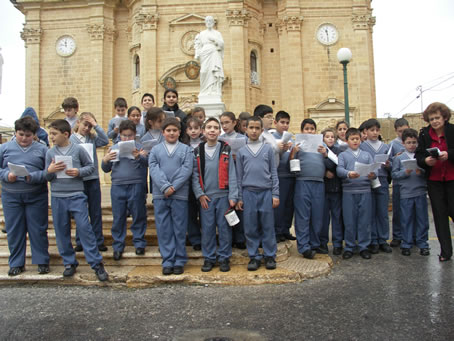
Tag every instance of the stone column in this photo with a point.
(32, 38)
(238, 21)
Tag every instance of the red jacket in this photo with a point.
(223, 169)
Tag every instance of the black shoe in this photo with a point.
(270, 263)
(140, 251)
(365, 254)
(4, 230)
(347, 255)
(424, 252)
(337, 251)
(14, 271)
(197, 247)
(178, 270)
(101, 272)
(117, 255)
(224, 265)
(321, 250)
(241, 246)
(309, 254)
(70, 270)
(207, 266)
(289, 236)
(78, 248)
(280, 238)
(385, 248)
(102, 248)
(395, 243)
(405, 252)
(43, 269)
(374, 249)
(167, 270)
(253, 265)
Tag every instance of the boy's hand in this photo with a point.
(418, 171)
(56, 167)
(28, 178)
(12, 177)
(371, 176)
(169, 191)
(329, 174)
(281, 146)
(287, 146)
(387, 164)
(111, 154)
(90, 120)
(352, 175)
(443, 156)
(232, 203)
(430, 161)
(143, 153)
(275, 202)
(322, 150)
(239, 205)
(408, 171)
(116, 130)
(136, 153)
(399, 153)
(73, 172)
(204, 199)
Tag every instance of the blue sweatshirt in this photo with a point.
(100, 140)
(346, 164)
(173, 169)
(383, 149)
(33, 158)
(411, 185)
(69, 187)
(41, 133)
(257, 172)
(312, 166)
(148, 136)
(127, 171)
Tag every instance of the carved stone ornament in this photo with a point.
(238, 17)
(31, 35)
(170, 83)
(292, 23)
(99, 32)
(363, 22)
(192, 69)
(147, 21)
(187, 42)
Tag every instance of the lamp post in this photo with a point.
(344, 55)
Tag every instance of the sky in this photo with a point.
(413, 47)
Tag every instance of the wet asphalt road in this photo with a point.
(390, 297)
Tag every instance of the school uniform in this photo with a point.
(396, 147)
(171, 165)
(380, 196)
(111, 127)
(258, 184)
(309, 200)
(92, 186)
(68, 198)
(140, 131)
(194, 226)
(128, 193)
(356, 200)
(332, 208)
(283, 214)
(25, 203)
(413, 204)
(214, 175)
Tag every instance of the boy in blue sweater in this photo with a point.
(309, 195)
(120, 106)
(396, 148)
(128, 192)
(68, 198)
(171, 164)
(214, 185)
(413, 201)
(380, 195)
(356, 196)
(71, 106)
(25, 199)
(258, 193)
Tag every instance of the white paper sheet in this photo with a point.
(364, 169)
(382, 158)
(18, 170)
(333, 157)
(234, 143)
(68, 161)
(286, 137)
(309, 143)
(169, 113)
(149, 144)
(118, 120)
(410, 164)
(126, 148)
(89, 148)
(269, 139)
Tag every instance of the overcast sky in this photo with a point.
(413, 46)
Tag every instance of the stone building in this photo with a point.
(281, 53)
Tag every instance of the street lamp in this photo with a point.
(344, 55)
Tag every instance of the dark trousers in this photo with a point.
(441, 194)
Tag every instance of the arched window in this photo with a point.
(136, 81)
(254, 71)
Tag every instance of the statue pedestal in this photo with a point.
(212, 109)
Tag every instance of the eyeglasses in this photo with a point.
(127, 136)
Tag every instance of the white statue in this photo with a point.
(209, 50)
(1, 69)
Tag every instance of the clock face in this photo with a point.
(66, 46)
(327, 34)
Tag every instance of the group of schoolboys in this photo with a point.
(257, 182)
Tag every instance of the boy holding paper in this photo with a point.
(24, 197)
(128, 191)
(413, 202)
(356, 196)
(120, 106)
(68, 198)
(84, 136)
(380, 195)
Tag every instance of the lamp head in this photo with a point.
(344, 55)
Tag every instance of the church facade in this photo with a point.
(277, 52)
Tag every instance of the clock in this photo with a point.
(65, 46)
(327, 34)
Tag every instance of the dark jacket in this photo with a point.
(424, 142)
(178, 114)
(41, 133)
(224, 154)
(333, 185)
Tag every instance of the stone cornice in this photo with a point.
(101, 31)
(238, 17)
(363, 21)
(147, 21)
(31, 35)
(290, 23)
